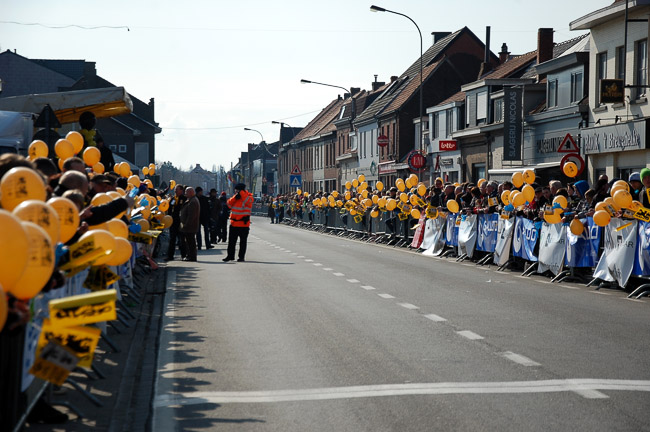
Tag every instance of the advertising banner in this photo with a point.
(525, 237)
(617, 261)
(552, 248)
(487, 232)
(642, 261)
(505, 227)
(436, 239)
(419, 232)
(452, 230)
(467, 234)
(582, 250)
(512, 124)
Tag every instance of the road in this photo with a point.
(319, 333)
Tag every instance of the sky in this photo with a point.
(215, 67)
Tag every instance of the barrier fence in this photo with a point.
(612, 254)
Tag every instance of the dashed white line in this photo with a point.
(570, 287)
(367, 287)
(309, 260)
(599, 292)
(470, 335)
(318, 264)
(328, 268)
(352, 280)
(518, 358)
(435, 318)
(408, 305)
(338, 274)
(300, 256)
(386, 296)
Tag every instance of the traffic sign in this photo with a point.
(576, 159)
(382, 140)
(295, 181)
(568, 145)
(296, 170)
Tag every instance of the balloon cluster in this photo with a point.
(620, 199)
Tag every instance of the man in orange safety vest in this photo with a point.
(241, 205)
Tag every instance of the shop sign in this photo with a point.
(447, 162)
(512, 124)
(386, 168)
(416, 161)
(448, 145)
(382, 140)
(619, 137)
(611, 91)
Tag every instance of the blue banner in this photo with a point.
(524, 239)
(487, 232)
(452, 230)
(642, 258)
(582, 250)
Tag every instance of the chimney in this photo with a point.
(486, 66)
(355, 90)
(544, 45)
(504, 55)
(393, 78)
(377, 84)
(439, 35)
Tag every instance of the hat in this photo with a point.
(223, 193)
(645, 172)
(635, 176)
(240, 186)
(581, 186)
(101, 178)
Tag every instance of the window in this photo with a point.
(641, 66)
(436, 125)
(577, 87)
(122, 148)
(552, 93)
(451, 124)
(498, 110)
(602, 71)
(481, 107)
(620, 62)
(468, 110)
(478, 171)
(113, 148)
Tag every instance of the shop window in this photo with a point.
(577, 87)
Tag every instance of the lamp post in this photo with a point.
(293, 132)
(263, 143)
(374, 8)
(353, 113)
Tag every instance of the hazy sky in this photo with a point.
(215, 67)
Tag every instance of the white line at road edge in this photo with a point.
(587, 388)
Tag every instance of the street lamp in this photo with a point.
(304, 81)
(374, 8)
(250, 171)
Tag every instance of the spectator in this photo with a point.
(190, 215)
(106, 157)
(204, 219)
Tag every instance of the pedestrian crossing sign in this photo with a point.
(295, 181)
(296, 170)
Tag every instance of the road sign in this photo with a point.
(295, 181)
(296, 170)
(568, 145)
(576, 159)
(382, 140)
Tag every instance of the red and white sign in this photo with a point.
(416, 161)
(448, 145)
(576, 159)
(568, 145)
(296, 170)
(382, 140)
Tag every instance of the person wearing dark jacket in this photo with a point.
(204, 219)
(223, 218)
(215, 210)
(106, 153)
(175, 211)
(190, 223)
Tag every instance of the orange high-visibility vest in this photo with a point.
(240, 208)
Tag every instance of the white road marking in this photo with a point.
(386, 296)
(583, 387)
(470, 335)
(435, 318)
(518, 358)
(338, 274)
(352, 280)
(408, 305)
(367, 287)
(294, 253)
(300, 256)
(287, 251)
(634, 300)
(327, 269)
(318, 264)
(599, 292)
(309, 260)
(570, 287)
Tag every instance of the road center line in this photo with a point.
(367, 287)
(435, 318)
(338, 274)
(408, 305)
(583, 387)
(470, 335)
(318, 264)
(309, 260)
(386, 296)
(518, 358)
(327, 269)
(352, 280)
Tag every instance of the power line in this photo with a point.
(239, 126)
(66, 26)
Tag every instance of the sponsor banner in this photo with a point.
(487, 232)
(512, 123)
(552, 248)
(452, 230)
(617, 260)
(467, 234)
(436, 240)
(419, 232)
(582, 250)
(642, 261)
(505, 228)
(524, 240)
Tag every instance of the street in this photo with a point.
(319, 333)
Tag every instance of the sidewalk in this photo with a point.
(127, 388)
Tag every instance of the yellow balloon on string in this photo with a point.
(40, 263)
(13, 253)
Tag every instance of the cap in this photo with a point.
(635, 176)
(645, 172)
(240, 186)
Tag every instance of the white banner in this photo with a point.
(617, 260)
(552, 247)
(436, 240)
(505, 228)
(427, 239)
(467, 233)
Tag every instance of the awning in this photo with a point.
(103, 102)
(512, 170)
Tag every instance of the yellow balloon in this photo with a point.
(299, 192)
(99, 168)
(381, 202)
(172, 185)
(529, 192)
(164, 205)
(364, 193)
(375, 199)
(602, 218)
(379, 186)
(413, 199)
(601, 206)
(408, 183)
(355, 183)
(610, 202)
(103, 239)
(561, 200)
(480, 182)
(100, 198)
(42, 215)
(38, 149)
(570, 169)
(13, 252)
(134, 180)
(40, 263)
(348, 185)
(415, 213)
(353, 212)
(121, 253)
(120, 191)
(552, 218)
(149, 183)
(518, 199)
(118, 228)
(68, 216)
(517, 179)
(363, 185)
(91, 156)
(576, 226)
(432, 213)
(124, 169)
(636, 205)
(505, 197)
(620, 184)
(367, 203)
(146, 213)
(145, 170)
(116, 168)
(21, 184)
(167, 221)
(403, 197)
(391, 204)
(361, 178)
(422, 189)
(529, 176)
(60, 164)
(77, 141)
(452, 206)
(401, 186)
(63, 149)
(3, 308)
(414, 179)
(335, 194)
(347, 195)
(623, 199)
(374, 213)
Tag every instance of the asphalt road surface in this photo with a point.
(319, 333)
